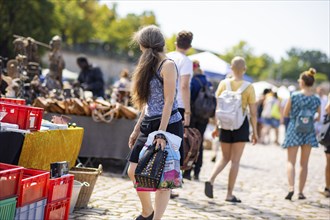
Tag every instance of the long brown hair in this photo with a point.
(152, 40)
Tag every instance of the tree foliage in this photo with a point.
(298, 60)
(88, 22)
(257, 66)
(75, 21)
(25, 18)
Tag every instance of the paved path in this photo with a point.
(261, 185)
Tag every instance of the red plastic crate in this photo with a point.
(60, 188)
(57, 210)
(10, 178)
(33, 187)
(14, 101)
(26, 117)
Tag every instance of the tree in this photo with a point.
(170, 43)
(72, 20)
(257, 66)
(25, 18)
(121, 31)
(299, 60)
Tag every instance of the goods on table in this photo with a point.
(100, 110)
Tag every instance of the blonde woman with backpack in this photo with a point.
(301, 108)
(233, 136)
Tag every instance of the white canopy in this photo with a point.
(283, 92)
(212, 65)
(67, 74)
(260, 86)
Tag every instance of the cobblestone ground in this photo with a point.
(261, 185)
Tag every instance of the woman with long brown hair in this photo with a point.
(154, 86)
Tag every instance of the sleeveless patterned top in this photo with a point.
(155, 103)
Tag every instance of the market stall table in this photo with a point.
(44, 147)
(10, 147)
(103, 140)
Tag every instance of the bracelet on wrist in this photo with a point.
(187, 113)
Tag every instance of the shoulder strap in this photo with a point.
(228, 86)
(161, 65)
(244, 86)
(160, 68)
(199, 81)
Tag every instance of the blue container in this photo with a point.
(33, 211)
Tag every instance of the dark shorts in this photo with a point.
(327, 149)
(174, 128)
(239, 135)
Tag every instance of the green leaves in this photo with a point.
(75, 21)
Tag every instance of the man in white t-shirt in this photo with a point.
(185, 69)
(321, 94)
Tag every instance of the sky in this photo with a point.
(271, 27)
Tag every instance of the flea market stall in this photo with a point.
(103, 140)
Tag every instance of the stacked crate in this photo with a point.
(32, 198)
(59, 195)
(26, 117)
(10, 178)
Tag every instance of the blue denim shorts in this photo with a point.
(272, 122)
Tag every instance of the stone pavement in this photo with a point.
(261, 185)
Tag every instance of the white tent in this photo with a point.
(67, 74)
(212, 65)
(283, 92)
(260, 86)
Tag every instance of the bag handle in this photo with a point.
(186, 160)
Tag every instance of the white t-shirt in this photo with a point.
(324, 101)
(185, 67)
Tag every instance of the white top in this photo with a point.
(185, 67)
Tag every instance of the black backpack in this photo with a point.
(205, 104)
(324, 134)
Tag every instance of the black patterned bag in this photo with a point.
(150, 169)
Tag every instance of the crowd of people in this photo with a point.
(168, 109)
(164, 87)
